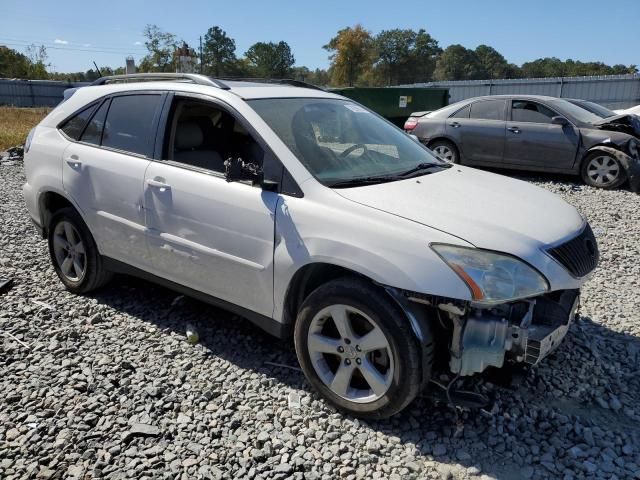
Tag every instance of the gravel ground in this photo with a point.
(107, 386)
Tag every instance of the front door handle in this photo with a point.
(514, 129)
(454, 124)
(158, 184)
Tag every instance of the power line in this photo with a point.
(73, 49)
(71, 45)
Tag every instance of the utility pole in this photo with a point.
(201, 62)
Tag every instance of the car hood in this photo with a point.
(626, 123)
(487, 210)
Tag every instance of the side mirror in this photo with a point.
(558, 120)
(236, 169)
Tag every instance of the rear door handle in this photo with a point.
(514, 129)
(74, 162)
(158, 184)
(454, 124)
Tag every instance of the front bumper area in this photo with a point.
(524, 331)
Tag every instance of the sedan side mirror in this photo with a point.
(559, 120)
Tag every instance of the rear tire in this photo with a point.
(74, 253)
(445, 150)
(602, 170)
(357, 349)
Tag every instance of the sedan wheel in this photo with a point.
(444, 152)
(69, 251)
(603, 170)
(350, 353)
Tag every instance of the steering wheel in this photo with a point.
(352, 148)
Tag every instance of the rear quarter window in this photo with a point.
(74, 126)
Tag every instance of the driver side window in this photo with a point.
(203, 135)
(530, 112)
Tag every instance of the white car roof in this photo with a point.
(236, 90)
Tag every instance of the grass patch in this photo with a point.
(15, 124)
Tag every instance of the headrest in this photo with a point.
(188, 135)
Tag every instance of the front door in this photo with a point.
(103, 171)
(208, 234)
(533, 141)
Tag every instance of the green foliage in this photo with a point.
(351, 55)
(270, 60)
(459, 63)
(218, 51)
(161, 46)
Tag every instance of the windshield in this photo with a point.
(340, 142)
(574, 111)
(599, 110)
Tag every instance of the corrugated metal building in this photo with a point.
(612, 91)
(33, 93)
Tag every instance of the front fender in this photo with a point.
(385, 248)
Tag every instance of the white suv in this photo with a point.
(311, 216)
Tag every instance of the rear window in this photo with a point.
(93, 133)
(130, 124)
(488, 110)
(75, 125)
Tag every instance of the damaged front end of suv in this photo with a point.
(514, 317)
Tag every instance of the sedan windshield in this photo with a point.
(574, 111)
(343, 144)
(595, 108)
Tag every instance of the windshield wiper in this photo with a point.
(353, 182)
(422, 167)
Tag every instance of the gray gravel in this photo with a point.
(107, 386)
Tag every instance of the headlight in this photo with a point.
(492, 277)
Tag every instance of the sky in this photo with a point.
(76, 33)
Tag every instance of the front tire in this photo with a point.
(602, 170)
(74, 253)
(357, 349)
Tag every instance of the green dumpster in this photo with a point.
(396, 104)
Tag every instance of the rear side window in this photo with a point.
(93, 133)
(488, 110)
(130, 123)
(462, 113)
(74, 126)
(530, 112)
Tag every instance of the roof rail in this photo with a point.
(155, 77)
(283, 81)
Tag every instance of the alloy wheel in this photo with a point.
(444, 152)
(350, 353)
(603, 170)
(69, 251)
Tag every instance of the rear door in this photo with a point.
(479, 129)
(103, 171)
(533, 141)
(208, 234)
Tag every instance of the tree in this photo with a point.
(350, 54)
(458, 63)
(492, 62)
(393, 50)
(13, 64)
(218, 51)
(270, 60)
(425, 54)
(37, 62)
(161, 46)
